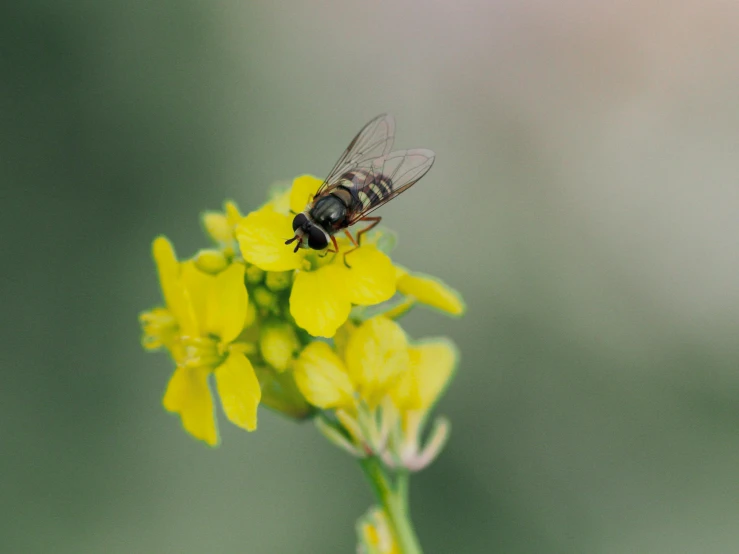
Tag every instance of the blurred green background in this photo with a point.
(585, 200)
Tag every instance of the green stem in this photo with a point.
(393, 497)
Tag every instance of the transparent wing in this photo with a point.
(404, 168)
(374, 140)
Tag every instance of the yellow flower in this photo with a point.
(430, 291)
(377, 382)
(375, 357)
(325, 286)
(208, 313)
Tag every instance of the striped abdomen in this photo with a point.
(366, 193)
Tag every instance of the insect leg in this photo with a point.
(351, 238)
(357, 242)
(334, 251)
(375, 221)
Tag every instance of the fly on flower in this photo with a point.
(366, 176)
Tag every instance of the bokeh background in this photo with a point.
(585, 200)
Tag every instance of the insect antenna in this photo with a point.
(297, 246)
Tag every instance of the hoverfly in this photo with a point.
(366, 176)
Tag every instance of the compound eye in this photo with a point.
(299, 221)
(317, 238)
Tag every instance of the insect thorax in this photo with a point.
(329, 212)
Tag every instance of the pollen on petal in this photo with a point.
(432, 292)
(303, 189)
(262, 235)
(319, 300)
(322, 378)
(188, 395)
(372, 277)
(239, 390)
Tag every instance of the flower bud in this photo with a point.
(254, 275)
(217, 226)
(279, 280)
(210, 261)
(251, 315)
(278, 344)
(265, 299)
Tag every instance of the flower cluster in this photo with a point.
(305, 333)
(380, 388)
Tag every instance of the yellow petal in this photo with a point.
(262, 235)
(341, 338)
(173, 288)
(405, 392)
(432, 365)
(217, 226)
(322, 378)
(376, 357)
(432, 292)
(169, 272)
(188, 394)
(319, 301)
(227, 304)
(239, 390)
(302, 192)
(233, 216)
(197, 285)
(372, 276)
(278, 343)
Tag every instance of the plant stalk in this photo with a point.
(392, 494)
